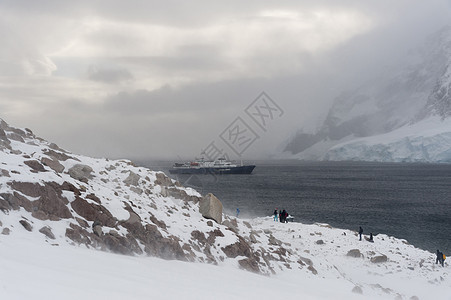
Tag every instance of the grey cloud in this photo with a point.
(108, 75)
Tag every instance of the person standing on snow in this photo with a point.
(237, 212)
(440, 258)
(360, 232)
(275, 215)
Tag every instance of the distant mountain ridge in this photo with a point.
(416, 89)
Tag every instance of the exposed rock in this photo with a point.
(53, 164)
(274, 241)
(308, 261)
(66, 186)
(97, 229)
(58, 155)
(35, 165)
(414, 298)
(93, 197)
(313, 270)
(122, 245)
(421, 263)
(240, 248)
(134, 217)
(379, 259)
(157, 222)
(252, 238)
(2, 134)
(212, 236)
(230, 225)
(199, 237)
(210, 223)
(26, 225)
(136, 190)
(16, 137)
(319, 242)
(180, 194)
(82, 222)
(51, 205)
(163, 180)
(93, 212)
(132, 179)
(354, 253)
(249, 265)
(357, 290)
(47, 231)
(155, 243)
(81, 172)
(211, 208)
(4, 173)
(79, 235)
(53, 145)
(6, 231)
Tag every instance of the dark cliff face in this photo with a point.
(414, 89)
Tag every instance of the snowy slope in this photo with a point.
(50, 199)
(416, 89)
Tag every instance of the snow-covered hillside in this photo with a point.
(58, 210)
(416, 89)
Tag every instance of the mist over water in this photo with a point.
(408, 201)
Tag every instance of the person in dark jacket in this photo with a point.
(360, 233)
(280, 216)
(371, 238)
(439, 255)
(276, 215)
(440, 258)
(284, 216)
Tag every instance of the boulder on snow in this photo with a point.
(26, 225)
(379, 259)
(354, 253)
(53, 164)
(35, 166)
(47, 231)
(132, 179)
(211, 208)
(81, 172)
(357, 290)
(163, 180)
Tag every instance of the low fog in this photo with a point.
(163, 80)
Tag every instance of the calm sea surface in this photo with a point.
(409, 201)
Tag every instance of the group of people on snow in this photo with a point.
(281, 216)
(370, 239)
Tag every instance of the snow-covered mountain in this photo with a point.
(396, 103)
(57, 209)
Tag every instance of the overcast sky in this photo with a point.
(164, 79)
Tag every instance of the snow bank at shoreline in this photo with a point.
(65, 271)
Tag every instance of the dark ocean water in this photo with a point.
(408, 201)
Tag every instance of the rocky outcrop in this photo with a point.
(53, 164)
(47, 231)
(26, 225)
(93, 212)
(132, 179)
(50, 205)
(35, 166)
(211, 208)
(81, 172)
